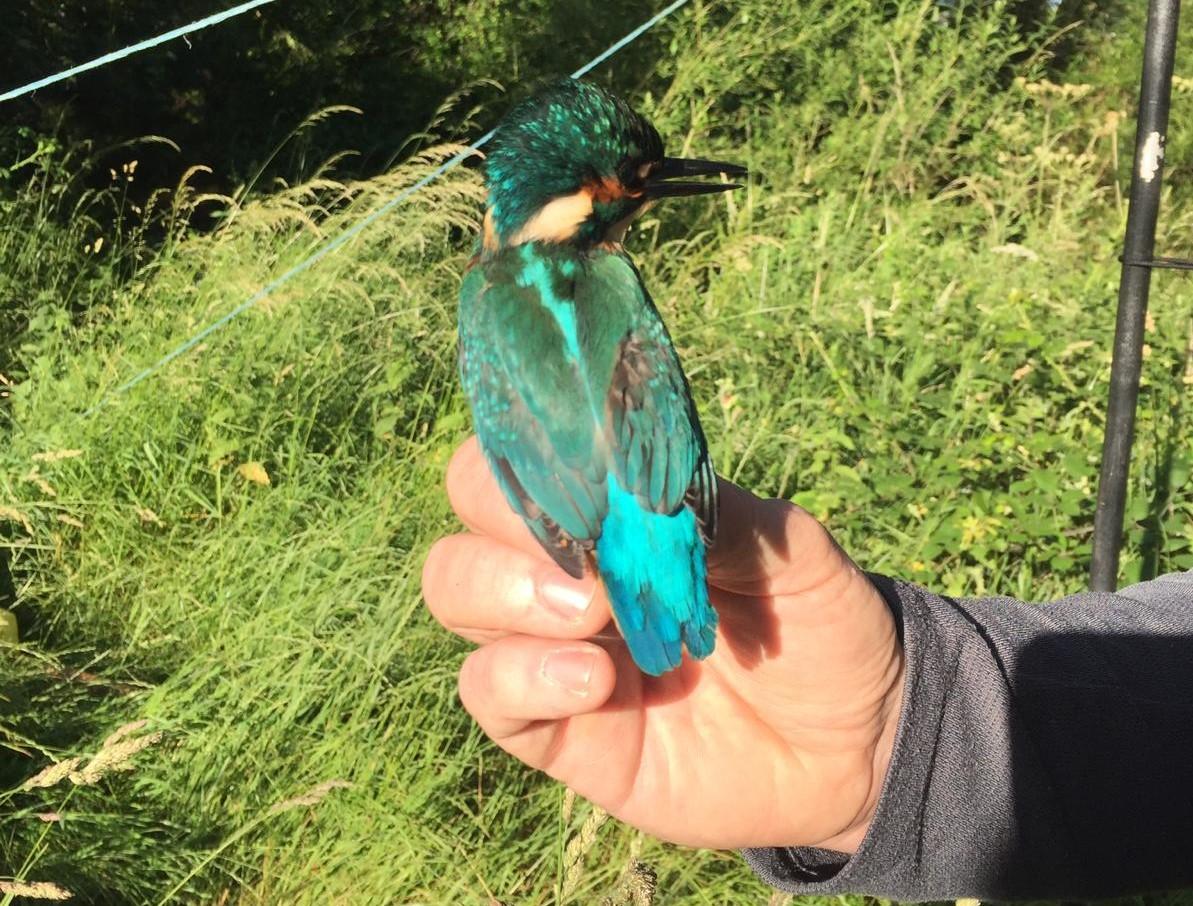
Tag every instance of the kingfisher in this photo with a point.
(578, 398)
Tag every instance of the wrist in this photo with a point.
(849, 839)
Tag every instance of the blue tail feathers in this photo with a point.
(653, 567)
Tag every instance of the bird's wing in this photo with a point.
(657, 446)
(572, 377)
(524, 383)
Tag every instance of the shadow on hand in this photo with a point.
(752, 538)
(750, 628)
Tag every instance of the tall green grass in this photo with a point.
(904, 324)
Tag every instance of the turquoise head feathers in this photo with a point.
(571, 138)
(575, 163)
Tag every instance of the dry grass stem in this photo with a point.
(116, 754)
(11, 514)
(636, 888)
(52, 775)
(122, 731)
(34, 477)
(55, 455)
(578, 848)
(313, 796)
(35, 890)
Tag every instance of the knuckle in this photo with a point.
(483, 687)
(473, 681)
(435, 564)
(460, 468)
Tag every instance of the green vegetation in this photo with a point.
(228, 95)
(904, 324)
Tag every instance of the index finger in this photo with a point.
(762, 546)
(479, 502)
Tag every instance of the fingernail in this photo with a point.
(563, 595)
(570, 668)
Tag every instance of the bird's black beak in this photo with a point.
(677, 168)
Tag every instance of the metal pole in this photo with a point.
(1154, 95)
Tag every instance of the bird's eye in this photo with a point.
(644, 170)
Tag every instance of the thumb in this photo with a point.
(768, 547)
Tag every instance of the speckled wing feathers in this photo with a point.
(655, 437)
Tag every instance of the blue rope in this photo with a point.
(628, 39)
(333, 244)
(318, 255)
(179, 32)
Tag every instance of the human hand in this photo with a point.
(780, 738)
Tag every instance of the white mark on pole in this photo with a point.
(1151, 157)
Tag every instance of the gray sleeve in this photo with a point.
(1043, 751)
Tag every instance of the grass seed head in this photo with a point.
(52, 775)
(36, 890)
(55, 455)
(120, 732)
(116, 755)
(313, 796)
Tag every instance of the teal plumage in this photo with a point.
(578, 398)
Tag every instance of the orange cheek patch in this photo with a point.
(610, 189)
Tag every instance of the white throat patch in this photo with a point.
(558, 221)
